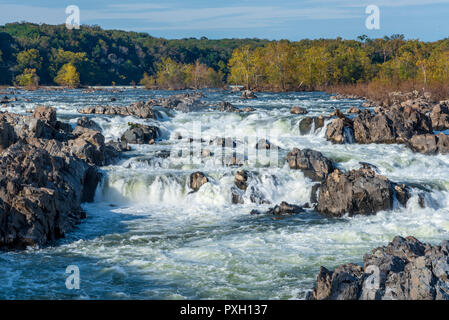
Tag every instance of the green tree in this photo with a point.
(28, 78)
(29, 59)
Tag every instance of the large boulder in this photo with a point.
(40, 194)
(7, 135)
(85, 122)
(314, 165)
(46, 114)
(430, 143)
(405, 269)
(359, 191)
(140, 134)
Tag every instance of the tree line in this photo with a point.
(32, 54)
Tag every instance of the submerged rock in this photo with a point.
(314, 165)
(405, 269)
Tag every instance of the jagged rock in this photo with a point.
(143, 109)
(314, 165)
(248, 94)
(405, 269)
(298, 110)
(46, 114)
(305, 125)
(88, 123)
(41, 195)
(140, 134)
(7, 135)
(440, 117)
(197, 179)
(359, 191)
(340, 131)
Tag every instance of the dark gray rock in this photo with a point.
(140, 134)
(314, 165)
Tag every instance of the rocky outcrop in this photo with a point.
(405, 269)
(142, 109)
(298, 110)
(140, 134)
(46, 171)
(314, 165)
(197, 179)
(227, 107)
(356, 192)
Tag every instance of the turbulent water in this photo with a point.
(148, 237)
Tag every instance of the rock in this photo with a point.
(227, 107)
(88, 123)
(440, 117)
(40, 195)
(340, 131)
(285, 209)
(314, 165)
(46, 114)
(247, 109)
(7, 135)
(243, 187)
(424, 143)
(143, 109)
(405, 269)
(305, 125)
(298, 110)
(359, 191)
(185, 102)
(248, 94)
(140, 134)
(197, 179)
(354, 110)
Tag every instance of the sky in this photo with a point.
(427, 20)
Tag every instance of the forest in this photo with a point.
(32, 55)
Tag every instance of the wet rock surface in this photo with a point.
(140, 134)
(314, 165)
(405, 269)
(46, 171)
(359, 191)
(197, 179)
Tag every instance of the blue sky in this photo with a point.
(268, 19)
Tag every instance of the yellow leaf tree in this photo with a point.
(68, 76)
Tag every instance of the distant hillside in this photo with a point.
(110, 55)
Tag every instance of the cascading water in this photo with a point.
(148, 236)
